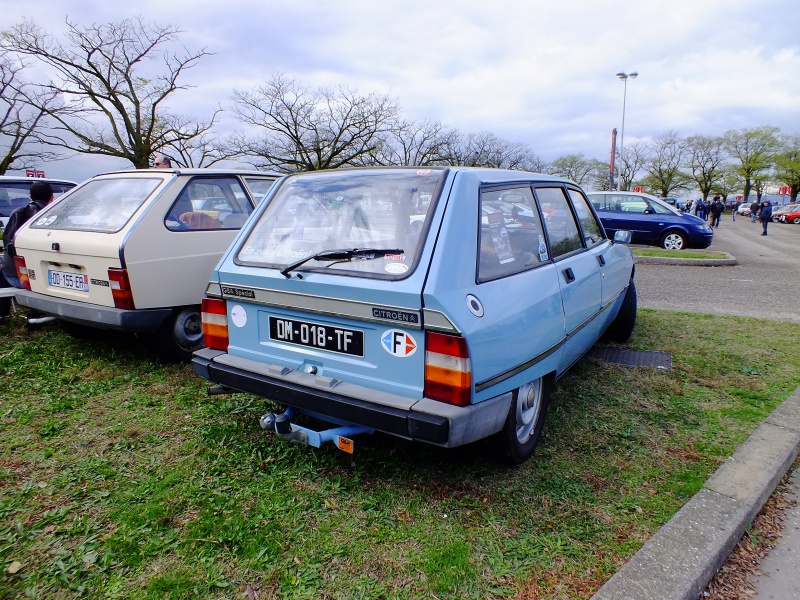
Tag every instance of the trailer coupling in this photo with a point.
(341, 435)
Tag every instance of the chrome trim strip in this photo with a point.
(479, 387)
(337, 307)
(213, 290)
(438, 321)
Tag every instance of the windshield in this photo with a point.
(345, 210)
(101, 205)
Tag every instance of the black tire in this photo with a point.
(796, 220)
(673, 240)
(621, 327)
(523, 427)
(180, 335)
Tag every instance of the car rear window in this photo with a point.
(103, 205)
(344, 210)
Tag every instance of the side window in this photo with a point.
(511, 235)
(635, 204)
(558, 220)
(592, 233)
(209, 203)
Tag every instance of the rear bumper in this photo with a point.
(146, 320)
(422, 420)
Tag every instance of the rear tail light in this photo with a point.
(215, 323)
(121, 288)
(22, 272)
(448, 375)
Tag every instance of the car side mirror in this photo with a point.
(649, 211)
(623, 236)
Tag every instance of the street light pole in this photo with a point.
(624, 77)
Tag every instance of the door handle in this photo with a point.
(601, 259)
(569, 276)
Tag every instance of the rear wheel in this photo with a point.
(796, 220)
(673, 240)
(523, 427)
(180, 335)
(621, 327)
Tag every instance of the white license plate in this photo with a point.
(70, 281)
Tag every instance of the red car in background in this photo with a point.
(791, 216)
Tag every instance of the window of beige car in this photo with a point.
(314, 213)
(511, 237)
(562, 230)
(14, 194)
(259, 186)
(592, 232)
(103, 205)
(207, 203)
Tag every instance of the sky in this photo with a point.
(537, 72)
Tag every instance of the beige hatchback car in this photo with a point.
(133, 250)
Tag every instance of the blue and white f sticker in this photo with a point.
(398, 343)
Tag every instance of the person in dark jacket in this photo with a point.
(41, 194)
(716, 209)
(755, 207)
(766, 215)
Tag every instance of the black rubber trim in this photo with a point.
(404, 423)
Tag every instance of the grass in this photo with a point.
(660, 252)
(121, 478)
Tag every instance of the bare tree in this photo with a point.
(706, 159)
(664, 162)
(631, 161)
(485, 149)
(19, 122)
(306, 130)
(755, 149)
(411, 143)
(113, 82)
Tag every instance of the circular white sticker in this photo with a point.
(239, 315)
(396, 268)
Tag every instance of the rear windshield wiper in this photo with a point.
(342, 255)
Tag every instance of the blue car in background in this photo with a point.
(433, 304)
(651, 221)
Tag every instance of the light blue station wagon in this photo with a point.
(434, 304)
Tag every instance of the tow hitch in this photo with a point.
(341, 435)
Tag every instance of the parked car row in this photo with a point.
(437, 304)
(787, 214)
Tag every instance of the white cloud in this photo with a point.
(531, 71)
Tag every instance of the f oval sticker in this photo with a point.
(398, 343)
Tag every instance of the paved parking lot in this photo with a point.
(765, 282)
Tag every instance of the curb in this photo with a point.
(680, 560)
(696, 262)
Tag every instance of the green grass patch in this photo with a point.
(121, 478)
(660, 252)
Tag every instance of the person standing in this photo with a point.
(754, 208)
(41, 194)
(766, 215)
(736, 206)
(716, 209)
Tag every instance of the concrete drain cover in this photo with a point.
(633, 358)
